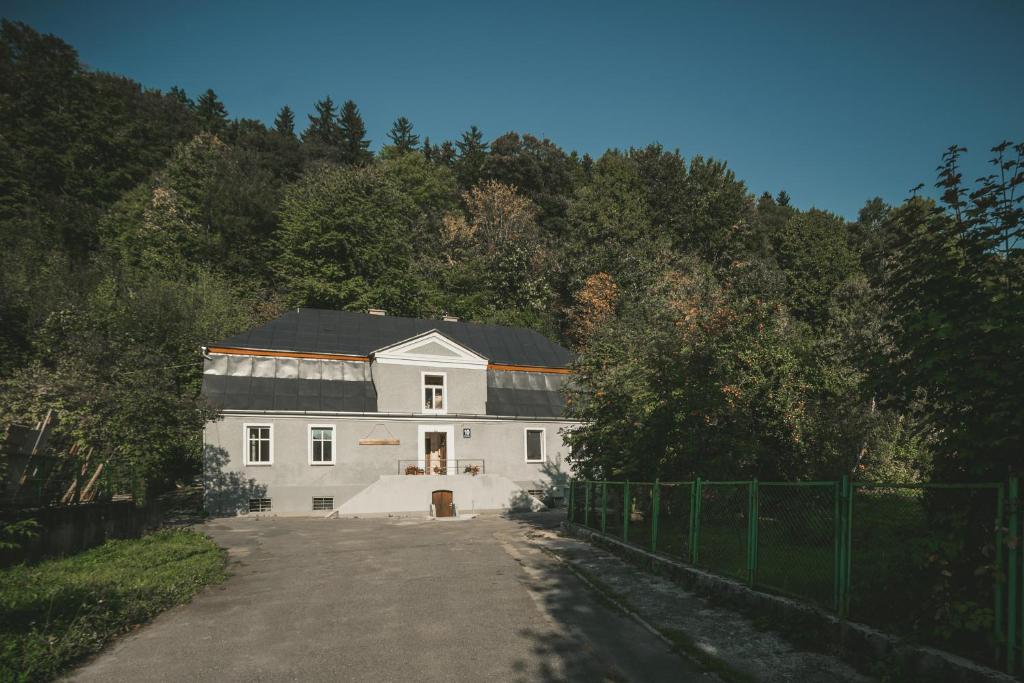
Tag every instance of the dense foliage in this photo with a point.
(716, 333)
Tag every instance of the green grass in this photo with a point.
(54, 613)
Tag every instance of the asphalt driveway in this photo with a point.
(390, 600)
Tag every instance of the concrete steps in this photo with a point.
(412, 493)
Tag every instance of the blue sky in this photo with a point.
(833, 102)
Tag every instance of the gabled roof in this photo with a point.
(313, 330)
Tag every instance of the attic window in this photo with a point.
(433, 393)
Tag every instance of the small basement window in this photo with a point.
(323, 503)
(259, 505)
(534, 445)
(321, 445)
(258, 445)
(433, 393)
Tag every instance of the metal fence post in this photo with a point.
(1013, 525)
(752, 515)
(572, 507)
(846, 547)
(695, 496)
(586, 503)
(837, 544)
(604, 505)
(998, 591)
(655, 504)
(625, 512)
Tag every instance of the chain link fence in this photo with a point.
(923, 562)
(937, 563)
(722, 538)
(674, 513)
(796, 540)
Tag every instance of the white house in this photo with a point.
(371, 414)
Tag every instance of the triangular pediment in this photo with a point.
(430, 348)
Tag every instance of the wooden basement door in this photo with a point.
(442, 501)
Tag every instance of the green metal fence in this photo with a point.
(938, 563)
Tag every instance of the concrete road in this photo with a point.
(390, 600)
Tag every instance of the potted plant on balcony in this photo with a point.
(413, 469)
(472, 469)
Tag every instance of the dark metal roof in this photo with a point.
(274, 393)
(524, 402)
(228, 392)
(314, 330)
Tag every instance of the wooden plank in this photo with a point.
(379, 442)
(528, 368)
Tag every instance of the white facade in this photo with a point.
(430, 432)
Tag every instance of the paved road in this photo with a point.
(390, 600)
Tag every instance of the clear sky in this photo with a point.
(833, 102)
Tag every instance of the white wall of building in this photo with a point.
(291, 481)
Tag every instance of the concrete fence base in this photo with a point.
(864, 647)
(73, 528)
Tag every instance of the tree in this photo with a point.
(953, 294)
(354, 147)
(402, 137)
(538, 169)
(469, 161)
(342, 242)
(322, 137)
(284, 122)
(684, 378)
(813, 250)
(211, 112)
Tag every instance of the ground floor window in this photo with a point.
(323, 503)
(321, 445)
(259, 505)
(534, 445)
(258, 445)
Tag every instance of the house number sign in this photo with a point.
(466, 432)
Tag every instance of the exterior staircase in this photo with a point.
(397, 493)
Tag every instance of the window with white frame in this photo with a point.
(534, 445)
(259, 505)
(433, 393)
(258, 445)
(321, 444)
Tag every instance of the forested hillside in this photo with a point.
(718, 333)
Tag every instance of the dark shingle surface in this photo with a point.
(314, 330)
(524, 403)
(274, 393)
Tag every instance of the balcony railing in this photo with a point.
(434, 466)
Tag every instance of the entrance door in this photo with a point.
(435, 447)
(442, 501)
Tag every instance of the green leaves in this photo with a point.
(343, 233)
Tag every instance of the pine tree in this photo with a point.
(285, 121)
(355, 148)
(211, 112)
(472, 154)
(323, 128)
(402, 137)
(445, 154)
(428, 151)
(180, 95)
(783, 198)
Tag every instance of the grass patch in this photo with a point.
(58, 611)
